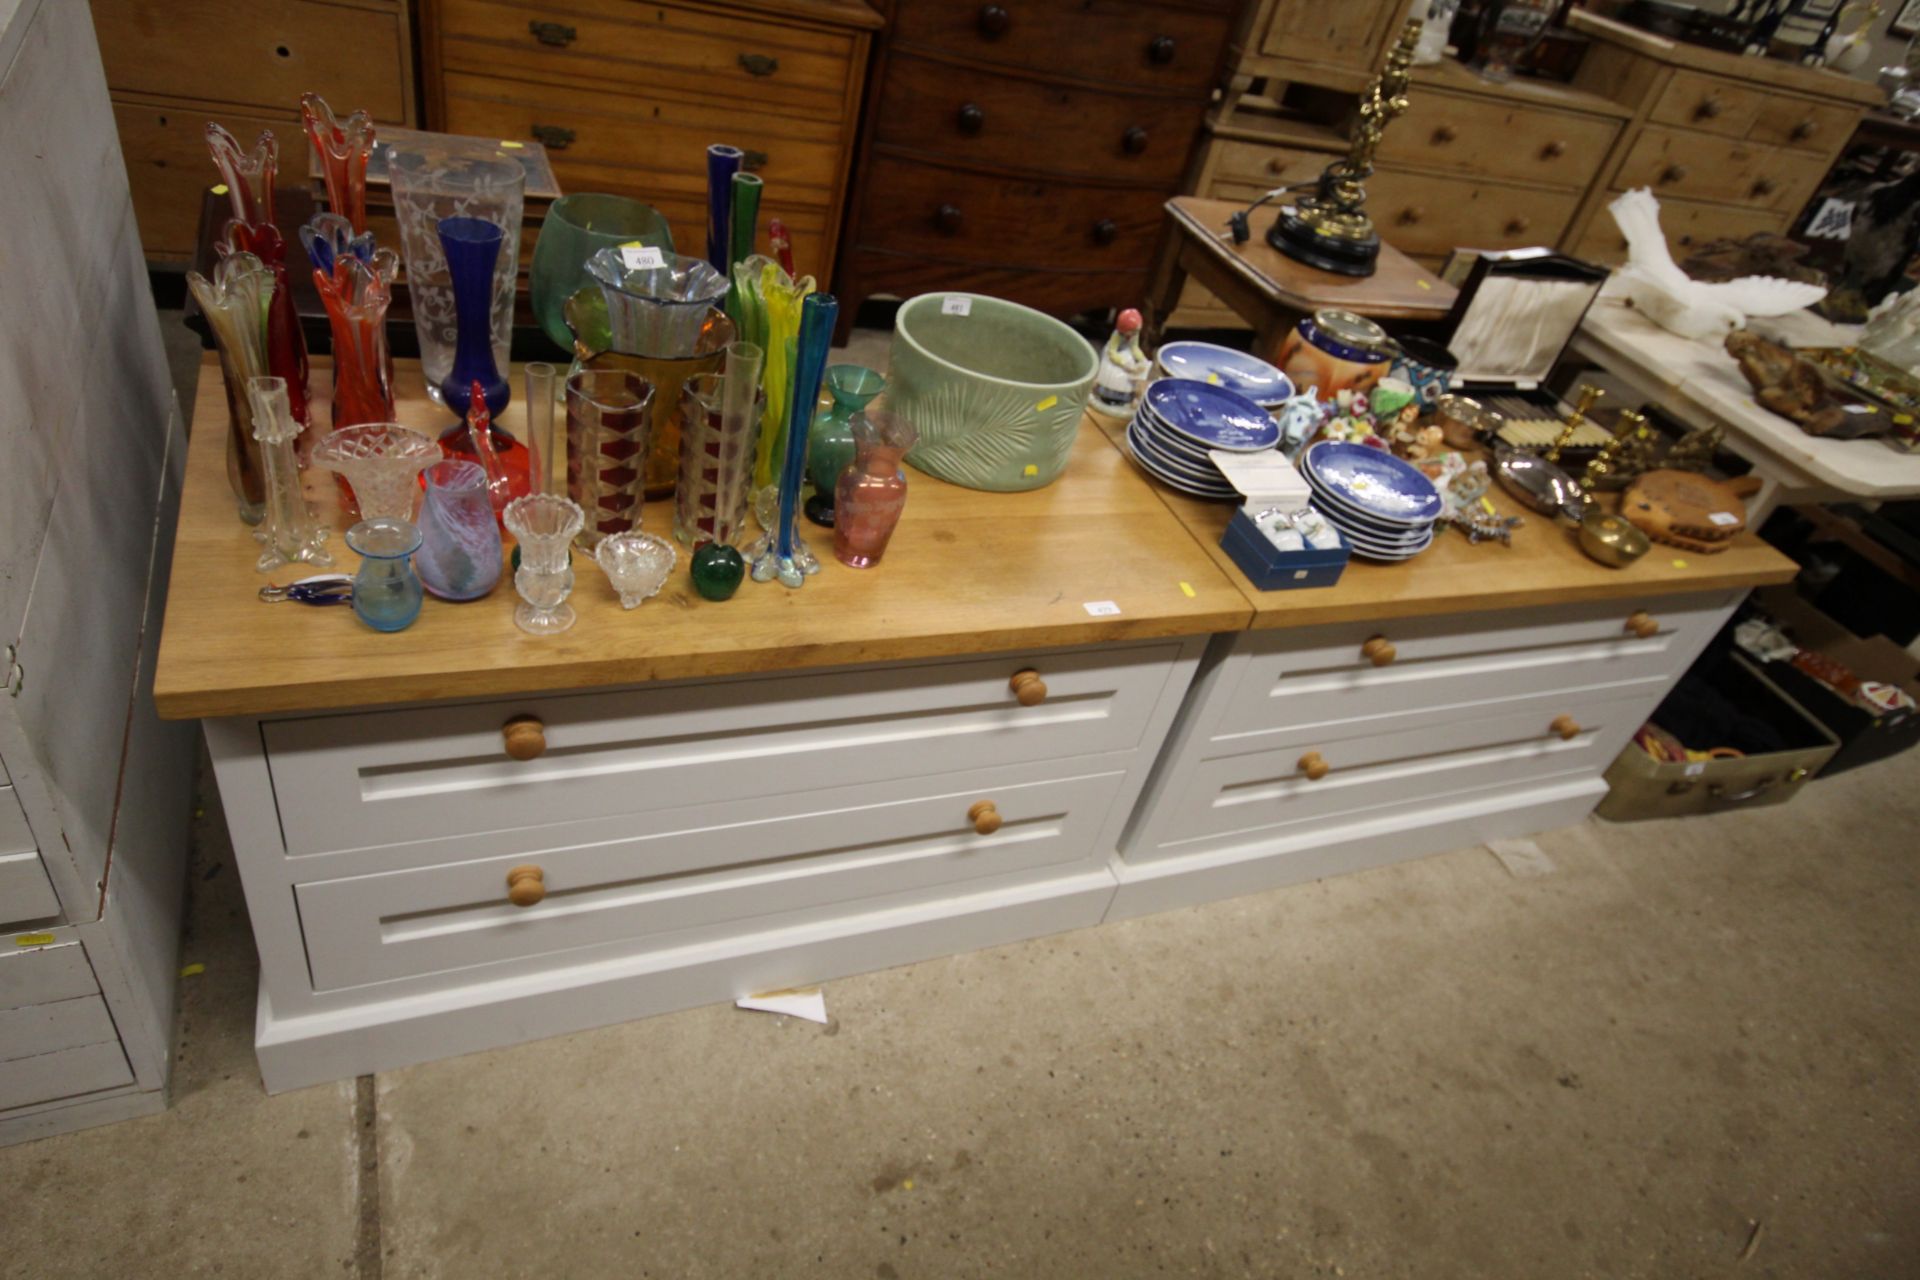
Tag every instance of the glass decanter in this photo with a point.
(289, 533)
(379, 461)
(386, 591)
(830, 442)
(459, 556)
(871, 494)
(544, 524)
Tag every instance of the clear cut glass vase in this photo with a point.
(544, 525)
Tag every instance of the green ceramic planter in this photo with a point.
(996, 393)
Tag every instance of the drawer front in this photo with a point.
(865, 272)
(1242, 795)
(44, 975)
(1344, 37)
(168, 170)
(359, 781)
(673, 887)
(1694, 100)
(66, 1073)
(1427, 214)
(263, 53)
(1685, 223)
(1262, 166)
(1143, 45)
(48, 1028)
(1699, 166)
(1296, 680)
(1026, 223)
(650, 139)
(25, 892)
(1490, 139)
(696, 55)
(1809, 126)
(1029, 124)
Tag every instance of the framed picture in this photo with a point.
(1907, 21)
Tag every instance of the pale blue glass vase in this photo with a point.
(386, 591)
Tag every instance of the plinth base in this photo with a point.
(1302, 242)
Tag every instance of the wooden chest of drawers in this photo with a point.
(1024, 149)
(173, 67)
(1730, 145)
(627, 97)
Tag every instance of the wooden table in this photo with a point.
(1268, 289)
(1700, 384)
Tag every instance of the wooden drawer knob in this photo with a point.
(1411, 215)
(1708, 109)
(1642, 624)
(1566, 726)
(1028, 687)
(1379, 651)
(948, 218)
(994, 21)
(1764, 187)
(984, 817)
(1444, 134)
(1134, 140)
(1804, 130)
(1314, 765)
(1553, 150)
(1672, 173)
(1518, 226)
(971, 119)
(1160, 50)
(525, 737)
(526, 885)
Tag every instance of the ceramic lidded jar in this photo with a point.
(1336, 351)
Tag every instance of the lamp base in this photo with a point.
(1303, 242)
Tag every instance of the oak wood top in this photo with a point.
(1449, 74)
(1767, 71)
(1544, 566)
(1401, 289)
(966, 573)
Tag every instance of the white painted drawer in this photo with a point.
(1240, 795)
(383, 778)
(677, 887)
(49, 1028)
(15, 835)
(1319, 677)
(43, 975)
(67, 1073)
(25, 892)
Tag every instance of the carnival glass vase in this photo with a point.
(426, 189)
(459, 556)
(356, 296)
(780, 553)
(344, 147)
(830, 441)
(235, 305)
(380, 462)
(872, 492)
(289, 534)
(386, 591)
(720, 421)
(545, 526)
(576, 228)
(472, 247)
(608, 421)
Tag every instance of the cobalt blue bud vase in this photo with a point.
(473, 250)
(723, 162)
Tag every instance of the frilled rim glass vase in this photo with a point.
(356, 297)
(235, 305)
(544, 525)
(344, 147)
(380, 462)
(577, 227)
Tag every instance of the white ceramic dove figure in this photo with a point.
(1676, 301)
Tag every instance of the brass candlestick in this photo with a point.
(1588, 395)
(1330, 229)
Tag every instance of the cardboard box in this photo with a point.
(1864, 735)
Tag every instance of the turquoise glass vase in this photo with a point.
(830, 443)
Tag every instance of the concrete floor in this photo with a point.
(1691, 1050)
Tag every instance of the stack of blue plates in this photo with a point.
(1384, 507)
(1180, 419)
(1219, 366)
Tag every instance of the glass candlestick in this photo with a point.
(289, 532)
(379, 461)
(386, 591)
(542, 384)
(780, 553)
(872, 492)
(544, 524)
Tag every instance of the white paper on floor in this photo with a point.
(804, 1002)
(1523, 859)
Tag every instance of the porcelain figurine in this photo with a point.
(1300, 419)
(1123, 366)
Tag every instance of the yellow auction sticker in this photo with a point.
(219, 188)
(1046, 404)
(33, 939)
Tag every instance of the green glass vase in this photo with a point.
(830, 439)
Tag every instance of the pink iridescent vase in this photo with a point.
(870, 495)
(459, 555)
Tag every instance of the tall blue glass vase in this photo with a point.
(781, 554)
(472, 247)
(723, 162)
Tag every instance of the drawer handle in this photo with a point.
(1764, 187)
(948, 218)
(1160, 50)
(1718, 792)
(1672, 173)
(994, 21)
(1708, 109)
(1518, 226)
(525, 736)
(1566, 727)
(753, 161)
(1028, 687)
(759, 64)
(1642, 624)
(1134, 140)
(1411, 215)
(1804, 130)
(553, 137)
(1444, 134)
(984, 816)
(1104, 231)
(1315, 766)
(557, 34)
(972, 119)
(1553, 150)
(1379, 651)
(526, 886)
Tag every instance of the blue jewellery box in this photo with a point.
(1271, 569)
